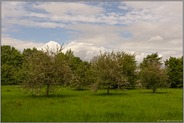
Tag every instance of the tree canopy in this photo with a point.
(152, 75)
(11, 63)
(174, 67)
(113, 69)
(43, 71)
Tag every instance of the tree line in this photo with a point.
(40, 71)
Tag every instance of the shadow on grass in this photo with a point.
(80, 89)
(110, 94)
(150, 92)
(52, 96)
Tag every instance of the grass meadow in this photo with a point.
(69, 105)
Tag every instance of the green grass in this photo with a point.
(70, 105)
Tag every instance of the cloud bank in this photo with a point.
(141, 27)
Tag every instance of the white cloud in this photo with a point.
(123, 7)
(20, 44)
(61, 12)
(32, 23)
(100, 35)
(164, 35)
(51, 46)
(147, 38)
(155, 26)
(86, 51)
(156, 38)
(65, 8)
(166, 10)
(15, 13)
(76, 12)
(13, 9)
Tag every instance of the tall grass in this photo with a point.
(70, 105)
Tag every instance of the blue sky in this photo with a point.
(135, 27)
(36, 34)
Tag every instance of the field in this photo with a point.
(70, 105)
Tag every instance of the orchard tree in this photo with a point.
(80, 70)
(152, 75)
(28, 52)
(111, 71)
(45, 70)
(151, 59)
(11, 64)
(128, 67)
(63, 71)
(81, 76)
(174, 67)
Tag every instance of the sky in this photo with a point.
(137, 27)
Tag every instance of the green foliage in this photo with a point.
(152, 75)
(28, 52)
(80, 70)
(152, 59)
(174, 68)
(113, 69)
(108, 70)
(11, 63)
(128, 63)
(45, 70)
(82, 75)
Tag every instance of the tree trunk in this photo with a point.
(108, 87)
(47, 90)
(154, 89)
